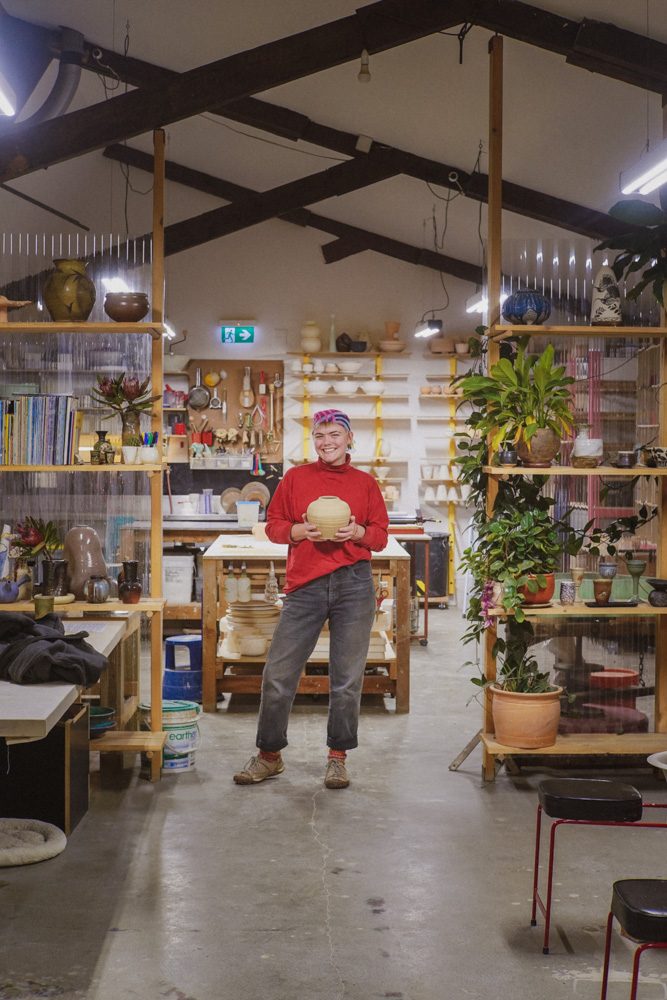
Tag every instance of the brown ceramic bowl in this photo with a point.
(126, 307)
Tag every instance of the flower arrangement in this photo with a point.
(124, 393)
(34, 536)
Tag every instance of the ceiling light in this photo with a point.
(648, 173)
(364, 72)
(428, 328)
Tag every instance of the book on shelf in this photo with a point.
(39, 429)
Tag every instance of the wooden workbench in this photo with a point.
(393, 564)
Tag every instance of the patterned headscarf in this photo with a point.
(335, 417)
(332, 417)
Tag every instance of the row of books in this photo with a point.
(40, 429)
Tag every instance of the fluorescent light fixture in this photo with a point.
(428, 328)
(115, 285)
(648, 173)
(7, 97)
(169, 333)
(479, 303)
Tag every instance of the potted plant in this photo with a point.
(644, 248)
(127, 396)
(34, 537)
(526, 401)
(130, 448)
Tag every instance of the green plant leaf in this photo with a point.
(638, 213)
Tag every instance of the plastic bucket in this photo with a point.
(179, 722)
(177, 574)
(247, 512)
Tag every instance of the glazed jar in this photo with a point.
(328, 514)
(97, 590)
(310, 337)
(54, 577)
(68, 292)
(103, 450)
(129, 590)
(526, 305)
(83, 551)
(586, 451)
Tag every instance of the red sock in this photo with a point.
(337, 755)
(267, 755)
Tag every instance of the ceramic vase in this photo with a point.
(129, 590)
(83, 551)
(69, 294)
(658, 596)
(329, 514)
(391, 330)
(526, 306)
(103, 450)
(54, 577)
(586, 451)
(606, 299)
(131, 421)
(97, 590)
(310, 338)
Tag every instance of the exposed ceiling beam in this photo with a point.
(350, 239)
(294, 126)
(376, 27)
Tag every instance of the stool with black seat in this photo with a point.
(582, 802)
(640, 906)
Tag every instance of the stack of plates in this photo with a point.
(255, 617)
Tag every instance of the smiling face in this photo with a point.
(331, 443)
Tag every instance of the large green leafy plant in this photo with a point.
(516, 398)
(644, 248)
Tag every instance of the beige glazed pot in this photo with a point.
(329, 514)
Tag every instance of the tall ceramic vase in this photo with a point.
(68, 293)
(54, 577)
(329, 514)
(83, 551)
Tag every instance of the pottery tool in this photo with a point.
(224, 406)
(199, 397)
(272, 389)
(216, 402)
(256, 416)
(211, 379)
(240, 420)
(262, 398)
(204, 421)
(246, 396)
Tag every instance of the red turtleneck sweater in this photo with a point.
(307, 560)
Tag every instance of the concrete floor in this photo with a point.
(412, 884)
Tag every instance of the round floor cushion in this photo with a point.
(25, 841)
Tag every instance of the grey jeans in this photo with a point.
(347, 598)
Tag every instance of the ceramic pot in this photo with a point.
(83, 551)
(608, 570)
(586, 451)
(97, 590)
(310, 337)
(69, 294)
(131, 421)
(103, 449)
(391, 330)
(129, 454)
(9, 590)
(544, 446)
(526, 306)
(528, 721)
(126, 307)
(507, 457)
(329, 514)
(543, 594)
(658, 596)
(54, 577)
(602, 590)
(129, 590)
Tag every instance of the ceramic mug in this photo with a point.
(427, 472)
(429, 494)
(602, 590)
(443, 472)
(567, 592)
(318, 366)
(441, 493)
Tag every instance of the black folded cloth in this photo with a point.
(32, 652)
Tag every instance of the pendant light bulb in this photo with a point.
(364, 75)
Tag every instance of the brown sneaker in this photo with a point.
(336, 776)
(258, 769)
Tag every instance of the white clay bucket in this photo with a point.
(179, 722)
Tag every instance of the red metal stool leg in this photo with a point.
(635, 965)
(533, 916)
(607, 950)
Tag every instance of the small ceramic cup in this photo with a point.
(307, 368)
(443, 472)
(567, 592)
(441, 492)
(602, 590)
(436, 390)
(607, 570)
(427, 472)
(429, 494)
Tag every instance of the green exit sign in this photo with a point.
(238, 334)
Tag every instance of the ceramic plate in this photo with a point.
(228, 499)
(256, 491)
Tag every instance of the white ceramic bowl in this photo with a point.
(252, 645)
(316, 387)
(349, 367)
(344, 386)
(391, 345)
(659, 760)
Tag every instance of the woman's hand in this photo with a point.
(301, 532)
(351, 532)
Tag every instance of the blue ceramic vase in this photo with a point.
(526, 306)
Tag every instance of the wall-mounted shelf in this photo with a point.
(155, 329)
(86, 467)
(567, 470)
(501, 331)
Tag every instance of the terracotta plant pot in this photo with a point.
(126, 307)
(544, 446)
(527, 721)
(329, 514)
(543, 595)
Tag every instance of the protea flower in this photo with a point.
(106, 387)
